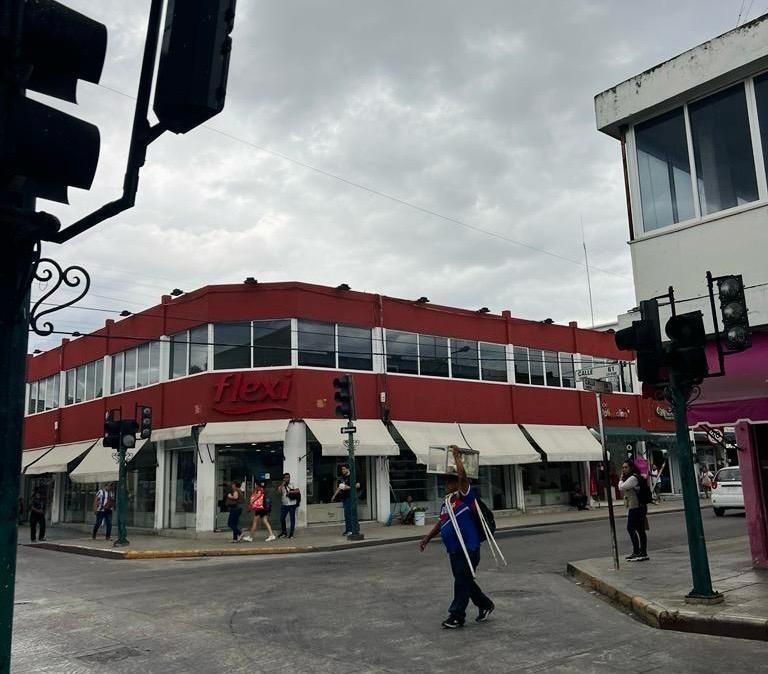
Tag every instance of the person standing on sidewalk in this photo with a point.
(637, 495)
(461, 497)
(234, 499)
(289, 501)
(344, 491)
(103, 503)
(37, 516)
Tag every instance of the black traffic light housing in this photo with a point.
(194, 62)
(686, 353)
(644, 338)
(344, 397)
(112, 431)
(145, 421)
(734, 312)
(43, 151)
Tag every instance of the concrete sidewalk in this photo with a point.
(311, 539)
(655, 590)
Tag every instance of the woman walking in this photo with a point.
(635, 489)
(261, 506)
(289, 501)
(234, 505)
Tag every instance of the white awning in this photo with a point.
(175, 433)
(372, 434)
(57, 459)
(99, 465)
(566, 443)
(420, 435)
(232, 432)
(31, 455)
(499, 444)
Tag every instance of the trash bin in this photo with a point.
(419, 518)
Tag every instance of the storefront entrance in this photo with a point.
(182, 483)
(550, 484)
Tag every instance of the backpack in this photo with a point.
(644, 495)
(490, 520)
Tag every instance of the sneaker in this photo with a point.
(290, 535)
(641, 558)
(271, 538)
(631, 558)
(347, 533)
(452, 623)
(483, 613)
(248, 539)
(42, 540)
(282, 535)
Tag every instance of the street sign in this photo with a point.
(598, 372)
(349, 429)
(715, 436)
(597, 385)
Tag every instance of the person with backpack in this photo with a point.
(460, 497)
(260, 505)
(637, 495)
(103, 503)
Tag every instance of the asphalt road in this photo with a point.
(368, 610)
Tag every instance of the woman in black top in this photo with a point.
(234, 505)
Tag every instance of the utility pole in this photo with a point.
(608, 485)
(354, 526)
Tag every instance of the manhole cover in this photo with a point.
(111, 655)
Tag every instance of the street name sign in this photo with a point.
(597, 385)
(599, 372)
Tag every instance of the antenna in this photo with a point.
(586, 264)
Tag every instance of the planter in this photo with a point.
(419, 519)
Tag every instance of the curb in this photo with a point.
(106, 553)
(659, 616)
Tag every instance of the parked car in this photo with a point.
(726, 490)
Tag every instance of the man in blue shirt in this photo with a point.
(464, 505)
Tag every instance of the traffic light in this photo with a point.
(194, 62)
(43, 151)
(687, 354)
(128, 430)
(112, 429)
(644, 338)
(145, 422)
(344, 397)
(733, 308)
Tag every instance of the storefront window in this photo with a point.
(182, 502)
(494, 361)
(323, 473)
(402, 352)
(495, 487)
(355, 352)
(546, 484)
(271, 343)
(140, 481)
(232, 345)
(465, 363)
(433, 355)
(317, 344)
(78, 500)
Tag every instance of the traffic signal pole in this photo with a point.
(122, 495)
(608, 485)
(349, 430)
(702, 592)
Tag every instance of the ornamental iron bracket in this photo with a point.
(47, 270)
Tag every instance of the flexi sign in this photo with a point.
(245, 392)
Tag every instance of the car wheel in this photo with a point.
(719, 512)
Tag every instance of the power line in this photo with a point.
(390, 197)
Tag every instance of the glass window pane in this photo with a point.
(761, 94)
(402, 352)
(32, 405)
(522, 368)
(90, 380)
(154, 362)
(232, 345)
(40, 399)
(626, 377)
(317, 344)
(178, 364)
(567, 370)
(464, 359)
(725, 167)
(56, 388)
(198, 349)
(494, 362)
(433, 355)
(130, 368)
(99, 378)
(80, 384)
(666, 193)
(142, 374)
(117, 372)
(69, 389)
(271, 343)
(552, 368)
(48, 398)
(536, 361)
(355, 348)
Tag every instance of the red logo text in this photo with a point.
(241, 393)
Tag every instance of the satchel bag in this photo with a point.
(295, 495)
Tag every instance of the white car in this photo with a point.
(726, 490)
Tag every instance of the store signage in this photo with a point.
(246, 392)
(664, 413)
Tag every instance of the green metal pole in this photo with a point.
(122, 533)
(356, 535)
(702, 591)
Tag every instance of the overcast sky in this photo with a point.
(481, 112)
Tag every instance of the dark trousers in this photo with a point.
(347, 503)
(103, 516)
(232, 520)
(636, 529)
(464, 585)
(286, 511)
(35, 520)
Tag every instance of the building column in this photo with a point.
(161, 479)
(754, 498)
(295, 463)
(381, 476)
(58, 497)
(518, 482)
(205, 519)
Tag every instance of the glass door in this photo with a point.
(182, 501)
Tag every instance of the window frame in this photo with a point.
(504, 369)
(387, 354)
